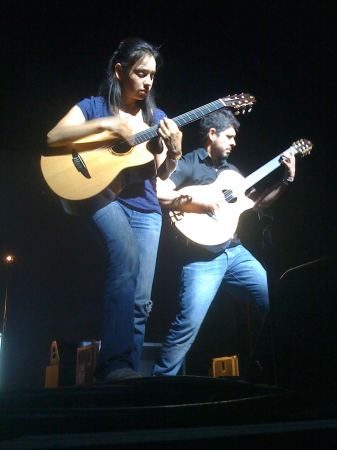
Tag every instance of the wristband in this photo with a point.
(175, 158)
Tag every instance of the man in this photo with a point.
(206, 267)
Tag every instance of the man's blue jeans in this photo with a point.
(238, 272)
(129, 240)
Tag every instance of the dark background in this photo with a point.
(55, 53)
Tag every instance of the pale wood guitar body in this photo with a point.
(95, 162)
(105, 168)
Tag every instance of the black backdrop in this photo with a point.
(55, 53)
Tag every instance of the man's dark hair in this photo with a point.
(220, 120)
(129, 52)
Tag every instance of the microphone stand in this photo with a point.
(9, 260)
(266, 220)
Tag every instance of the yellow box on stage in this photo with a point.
(86, 362)
(52, 371)
(227, 366)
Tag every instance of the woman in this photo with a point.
(128, 228)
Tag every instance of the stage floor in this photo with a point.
(176, 411)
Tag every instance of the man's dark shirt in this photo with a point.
(197, 168)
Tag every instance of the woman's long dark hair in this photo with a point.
(129, 52)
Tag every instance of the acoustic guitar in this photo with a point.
(91, 164)
(214, 229)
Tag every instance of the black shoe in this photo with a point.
(124, 373)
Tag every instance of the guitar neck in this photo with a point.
(265, 170)
(200, 112)
(181, 120)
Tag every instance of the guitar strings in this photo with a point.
(188, 117)
(228, 194)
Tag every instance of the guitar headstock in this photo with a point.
(240, 103)
(302, 147)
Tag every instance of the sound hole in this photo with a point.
(121, 147)
(229, 196)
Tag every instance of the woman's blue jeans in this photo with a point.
(129, 240)
(238, 272)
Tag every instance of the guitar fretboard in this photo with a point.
(265, 170)
(301, 147)
(239, 102)
(181, 120)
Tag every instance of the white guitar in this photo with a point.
(215, 229)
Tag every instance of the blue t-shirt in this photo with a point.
(141, 195)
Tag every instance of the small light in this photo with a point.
(9, 259)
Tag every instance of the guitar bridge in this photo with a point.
(80, 164)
